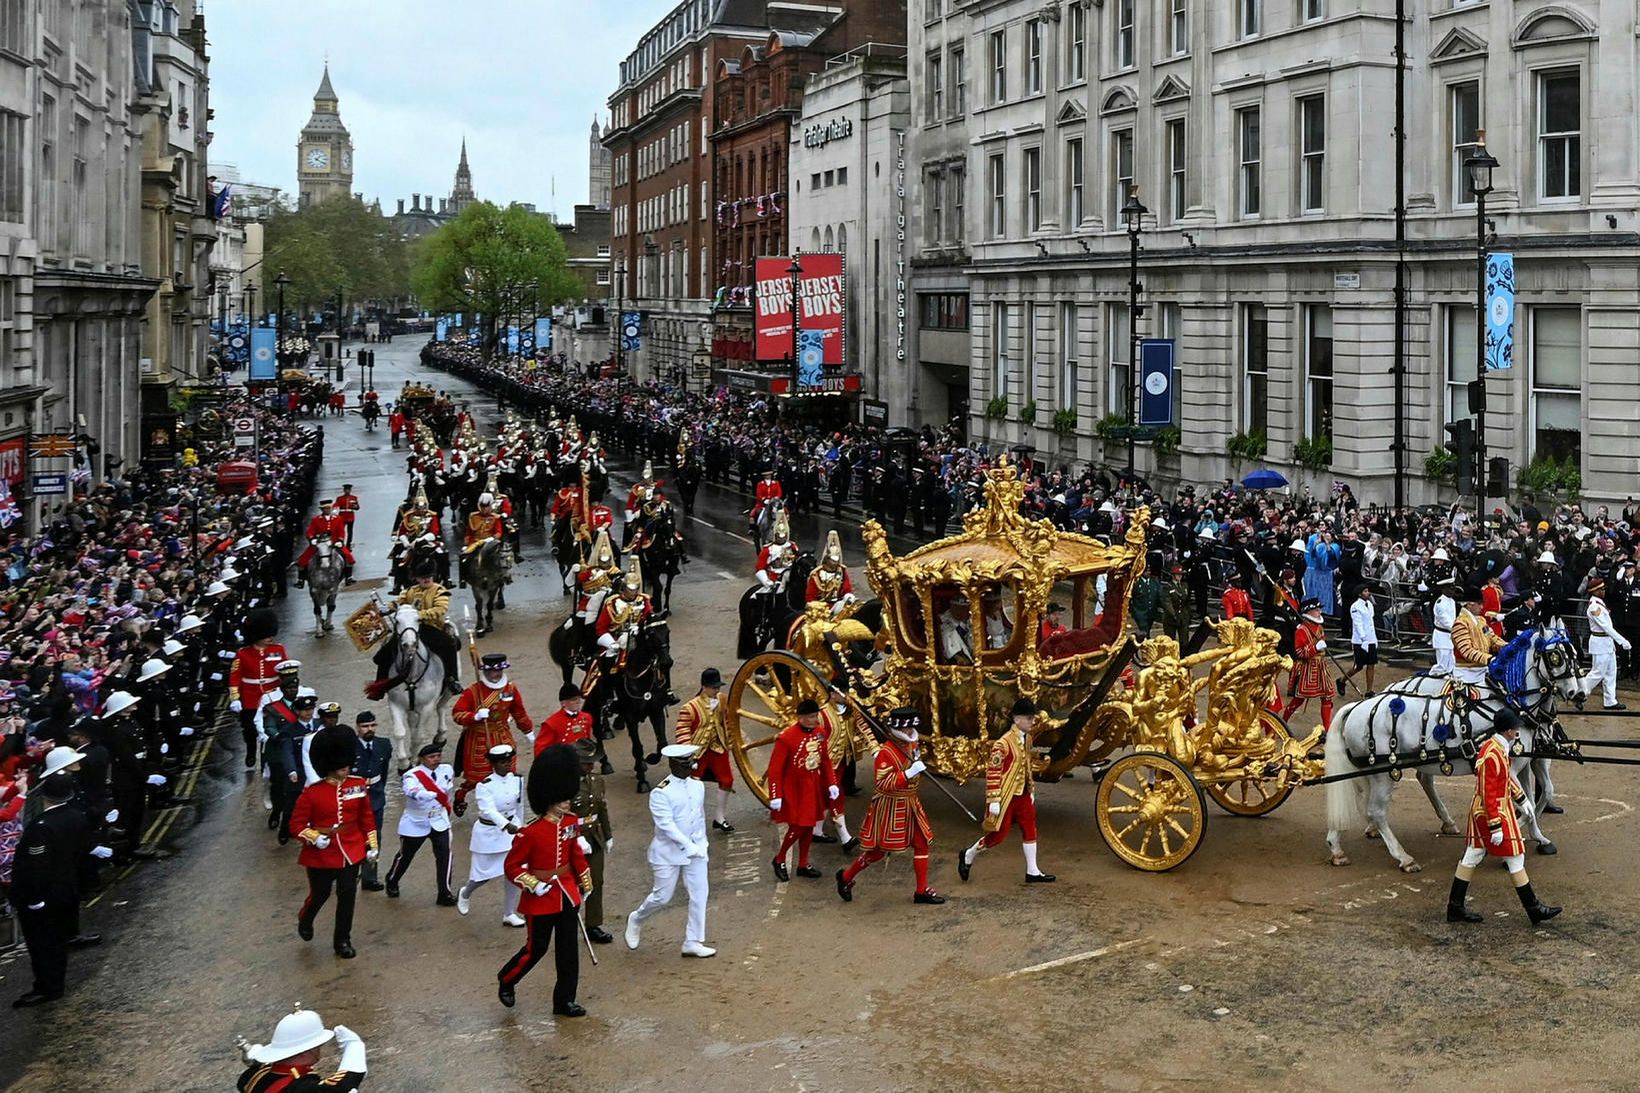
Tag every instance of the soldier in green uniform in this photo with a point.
(589, 804)
(1176, 608)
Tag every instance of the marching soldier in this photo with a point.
(802, 783)
(1010, 795)
(547, 864)
(700, 725)
(328, 524)
(677, 806)
(1603, 642)
(372, 759)
(286, 1063)
(1473, 644)
(829, 582)
(1493, 827)
(426, 816)
(590, 805)
(1309, 676)
(338, 832)
(253, 675)
(432, 602)
(347, 507)
(499, 796)
(487, 712)
(895, 820)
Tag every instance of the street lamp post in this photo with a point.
(252, 318)
(279, 322)
(795, 271)
(1480, 165)
(1133, 215)
(618, 324)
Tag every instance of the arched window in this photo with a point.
(842, 238)
(828, 245)
(814, 239)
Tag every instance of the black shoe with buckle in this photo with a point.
(825, 838)
(808, 871)
(723, 825)
(963, 864)
(599, 935)
(845, 888)
(929, 896)
(781, 873)
(1040, 878)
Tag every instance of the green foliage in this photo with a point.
(1027, 413)
(1546, 475)
(1167, 440)
(1440, 465)
(1112, 426)
(1251, 445)
(335, 246)
(1064, 422)
(1314, 452)
(997, 408)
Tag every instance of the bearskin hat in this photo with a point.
(332, 749)
(260, 625)
(555, 776)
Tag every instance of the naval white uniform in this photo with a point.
(1603, 642)
(499, 800)
(678, 807)
(1446, 613)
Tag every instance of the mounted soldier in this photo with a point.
(829, 582)
(327, 524)
(482, 525)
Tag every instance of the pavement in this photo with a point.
(1256, 964)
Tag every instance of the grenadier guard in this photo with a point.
(372, 759)
(499, 796)
(328, 524)
(622, 615)
(1493, 827)
(426, 816)
(597, 834)
(829, 582)
(1309, 675)
(1010, 795)
(286, 1064)
(1603, 643)
(254, 675)
(333, 819)
(1445, 614)
(768, 489)
(700, 725)
(347, 507)
(895, 820)
(677, 806)
(802, 784)
(488, 711)
(1473, 644)
(546, 862)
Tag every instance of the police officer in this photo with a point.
(593, 809)
(373, 756)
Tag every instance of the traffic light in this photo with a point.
(1477, 396)
(1461, 443)
(1497, 476)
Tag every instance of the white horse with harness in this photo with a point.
(416, 705)
(324, 576)
(1432, 721)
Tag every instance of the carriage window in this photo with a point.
(998, 610)
(914, 630)
(954, 625)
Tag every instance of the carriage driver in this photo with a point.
(431, 601)
(1473, 644)
(621, 616)
(327, 523)
(830, 580)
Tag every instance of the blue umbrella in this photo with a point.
(1264, 479)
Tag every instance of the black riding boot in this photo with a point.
(1536, 909)
(1455, 909)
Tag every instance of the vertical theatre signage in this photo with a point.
(820, 305)
(899, 247)
(1500, 311)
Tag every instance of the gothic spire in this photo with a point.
(326, 93)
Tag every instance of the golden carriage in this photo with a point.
(963, 637)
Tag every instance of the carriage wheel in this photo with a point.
(762, 703)
(1150, 811)
(1257, 796)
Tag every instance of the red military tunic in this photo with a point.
(347, 507)
(813, 591)
(598, 518)
(1492, 607)
(563, 727)
(543, 851)
(800, 776)
(606, 614)
(1493, 807)
(895, 815)
(768, 489)
(252, 674)
(1237, 604)
(481, 527)
(1310, 673)
(478, 736)
(335, 527)
(339, 811)
(567, 503)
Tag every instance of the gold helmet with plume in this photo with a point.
(648, 472)
(421, 496)
(603, 555)
(782, 529)
(832, 555)
(634, 579)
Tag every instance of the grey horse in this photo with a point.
(324, 577)
(489, 568)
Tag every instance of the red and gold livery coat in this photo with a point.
(895, 812)
(800, 776)
(1310, 667)
(1493, 807)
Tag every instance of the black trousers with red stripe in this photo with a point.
(567, 956)
(346, 882)
(409, 844)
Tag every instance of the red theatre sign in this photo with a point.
(820, 302)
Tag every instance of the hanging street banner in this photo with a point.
(811, 360)
(820, 305)
(1500, 311)
(512, 340)
(443, 330)
(1156, 380)
(631, 324)
(264, 369)
(543, 334)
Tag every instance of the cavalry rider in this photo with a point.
(775, 559)
(1309, 676)
(254, 675)
(642, 492)
(700, 725)
(1010, 795)
(1473, 644)
(415, 521)
(829, 582)
(1493, 827)
(593, 580)
(482, 525)
(329, 524)
(768, 489)
(492, 486)
(622, 615)
(432, 603)
(895, 820)
(566, 503)
(347, 507)
(1445, 614)
(487, 712)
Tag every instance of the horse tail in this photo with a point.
(1346, 805)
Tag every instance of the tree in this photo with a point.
(341, 245)
(492, 262)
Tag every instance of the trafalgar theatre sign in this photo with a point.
(823, 133)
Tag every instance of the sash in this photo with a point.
(432, 787)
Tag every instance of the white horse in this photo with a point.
(417, 704)
(1429, 725)
(324, 576)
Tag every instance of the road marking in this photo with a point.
(726, 576)
(1075, 958)
(1623, 809)
(722, 531)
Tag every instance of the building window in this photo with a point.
(13, 16)
(999, 197)
(934, 187)
(1318, 371)
(1076, 43)
(936, 8)
(1172, 328)
(999, 349)
(1466, 127)
(1460, 359)
(842, 176)
(1123, 40)
(959, 194)
(1178, 27)
(999, 66)
(1175, 170)
(1067, 356)
(936, 89)
(944, 311)
(1309, 11)
(1033, 189)
(1119, 339)
(1559, 145)
(1557, 402)
(1249, 17)
(1255, 369)
(1073, 182)
(12, 155)
(1249, 141)
(1033, 56)
(1312, 171)
(959, 82)
(1121, 172)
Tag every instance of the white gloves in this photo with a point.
(481, 715)
(1497, 838)
(1321, 647)
(216, 677)
(775, 803)
(101, 853)
(322, 842)
(697, 851)
(41, 906)
(832, 792)
(164, 749)
(915, 769)
(112, 817)
(352, 1050)
(610, 845)
(586, 847)
(156, 780)
(540, 889)
(185, 731)
(372, 854)
(995, 809)
(235, 706)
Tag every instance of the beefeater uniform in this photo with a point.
(895, 820)
(1309, 678)
(802, 779)
(340, 812)
(333, 526)
(548, 852)
(504, 710)
(700, 726)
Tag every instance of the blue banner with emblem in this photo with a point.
(811, 360)
(543, 334)
(264, 366)
(631, 325)
(443, 330)
(1500, 311)
(1156, 381)
(512, 340)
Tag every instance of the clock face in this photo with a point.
(347, 160)
(318, 159)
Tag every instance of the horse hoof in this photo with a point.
(1450, 829)
(652, 758)
(643, 786)
(1411, 867)
(1548, 848)
(1340, 859)
(1370, 833)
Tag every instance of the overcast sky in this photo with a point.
(521, 79)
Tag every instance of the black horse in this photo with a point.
(765, 618)
(664, 556)
(641, 691)
(422, 550)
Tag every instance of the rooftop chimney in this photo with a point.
(415, 203)
(401, 206)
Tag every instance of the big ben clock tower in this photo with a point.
(324, 154)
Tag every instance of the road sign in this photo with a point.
(46, 485)
(244, 432)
